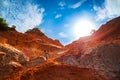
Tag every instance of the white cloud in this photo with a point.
(62, 4)
(110, 9)
(101, 13)
(24, 17)
(58, 16)
(77, 5)
(62, 35)
(31, 19)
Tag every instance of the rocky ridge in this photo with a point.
(99, 51)
(32, 43)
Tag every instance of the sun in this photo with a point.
(82, 27)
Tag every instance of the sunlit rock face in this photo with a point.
(56, 71)
(21, 50)
(32, 43)
(108, 31)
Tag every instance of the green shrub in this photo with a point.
(3, 25)
(31, 30)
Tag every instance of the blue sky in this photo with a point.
(57, 18)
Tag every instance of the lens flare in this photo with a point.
(82, 28)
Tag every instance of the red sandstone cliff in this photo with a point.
(99, 51)
(32, 43)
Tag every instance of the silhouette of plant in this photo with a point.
(93, 31)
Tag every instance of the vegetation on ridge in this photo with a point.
(35, 28)
(4, 26)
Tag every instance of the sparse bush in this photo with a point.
(31, 30)
(3, 25)
(36, 28)
(13, 28)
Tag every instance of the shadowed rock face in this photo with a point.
(9, 53)
(105, 59)
(37, 61)
(11, 59)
